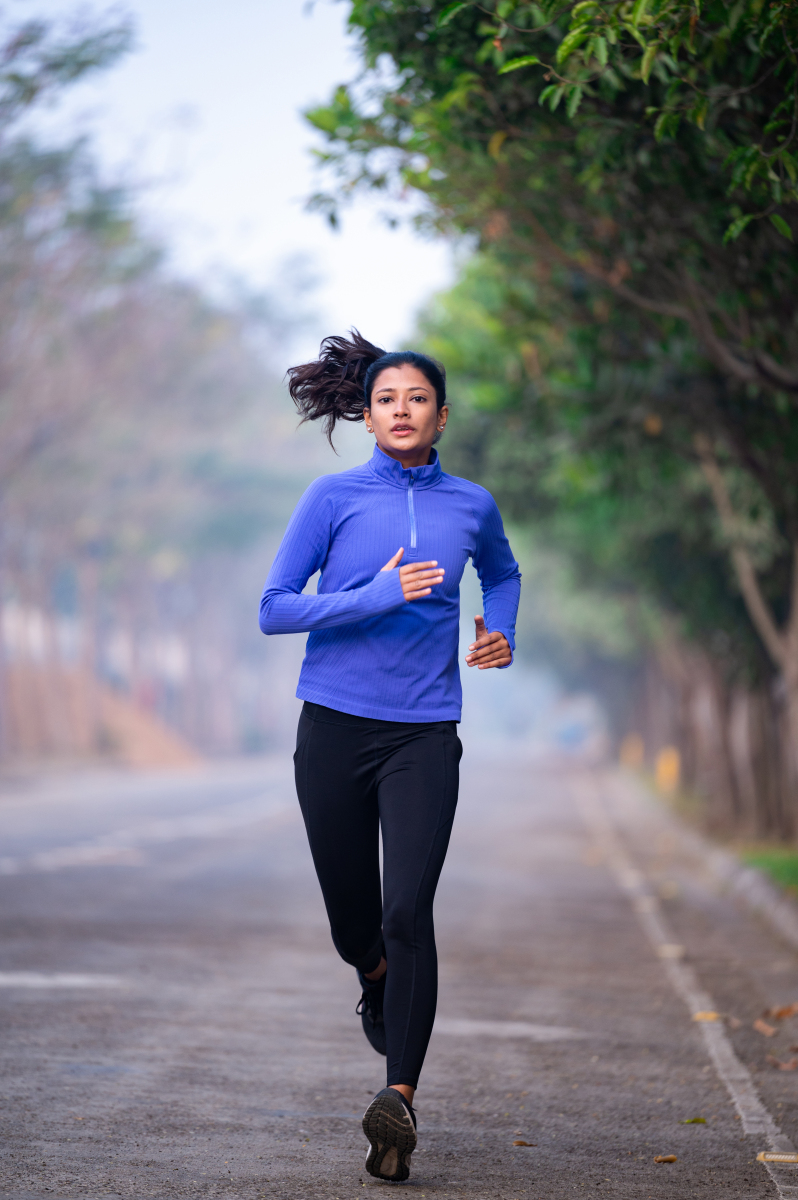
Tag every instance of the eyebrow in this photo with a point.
(421, 387)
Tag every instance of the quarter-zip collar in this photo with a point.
(392, 471)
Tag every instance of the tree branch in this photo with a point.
(593, 268)
(758, 608)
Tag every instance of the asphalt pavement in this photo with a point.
(176, 1023)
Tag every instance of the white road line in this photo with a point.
(507, 1029)
(756, 1120)
(122, 847)
(41, 979)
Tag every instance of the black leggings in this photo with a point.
(353, 775)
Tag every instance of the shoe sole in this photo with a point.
(388, 1126)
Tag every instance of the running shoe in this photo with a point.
(389, 1123)
(369, 1009)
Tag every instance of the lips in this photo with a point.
(402, 429)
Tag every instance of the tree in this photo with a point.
(627, 583)
(628, 149)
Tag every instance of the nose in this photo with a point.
(402, 409)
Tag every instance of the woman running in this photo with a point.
(377, 745)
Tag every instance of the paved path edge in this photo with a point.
(748, 884)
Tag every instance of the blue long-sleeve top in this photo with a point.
(370, 652)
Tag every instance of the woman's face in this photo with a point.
(404, 414)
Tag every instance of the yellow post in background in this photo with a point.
(668, 769)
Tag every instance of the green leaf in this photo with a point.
(639, 11)
(648, 60)
(781, 225)
(790, 165)
(557, 96)
(601, 50)
(700, 112)
(553, 93)
(736, 228)
(666, 125)
(574, 100)
(571, 42)
(527, 60)
(451, 10)
(635, 33)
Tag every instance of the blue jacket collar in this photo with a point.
(392, 471)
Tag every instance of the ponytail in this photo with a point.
(338, 385)
(332, 388)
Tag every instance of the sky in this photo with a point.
(205, 119)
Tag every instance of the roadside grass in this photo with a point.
(779, 862)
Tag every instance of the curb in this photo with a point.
(750, 885)
(756, 891)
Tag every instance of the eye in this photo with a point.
(421, 399)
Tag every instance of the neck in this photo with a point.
(410, 458)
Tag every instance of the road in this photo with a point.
(176, 1022)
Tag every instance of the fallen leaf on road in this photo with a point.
(790, 1065)
(694, 1121)
(665, 1158)
(762, 1027)
(525, 1143)
(733, 1022)
(781, 1014)
(777, 1156)
(706, 1015)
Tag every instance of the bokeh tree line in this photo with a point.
(145, 457)
(623, 346)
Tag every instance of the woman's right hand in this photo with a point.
(417, 579)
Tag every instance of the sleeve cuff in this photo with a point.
(387, 590)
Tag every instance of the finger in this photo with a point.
(487, 639)
(489, 649)
(476, 660)
(392, 562)
(421, 583)
(425, 587)
(412, 576)
(479, 626)
(504, 658)
(418, 595)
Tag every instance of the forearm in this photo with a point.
(283, 610)
(500, 603)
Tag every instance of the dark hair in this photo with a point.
(338, 385)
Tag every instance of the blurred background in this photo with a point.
(187, 205)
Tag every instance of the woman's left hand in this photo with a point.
(489, 649)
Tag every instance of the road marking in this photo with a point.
(41, 979)
(756, 1120)
(507, 1029)
(123, 846)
